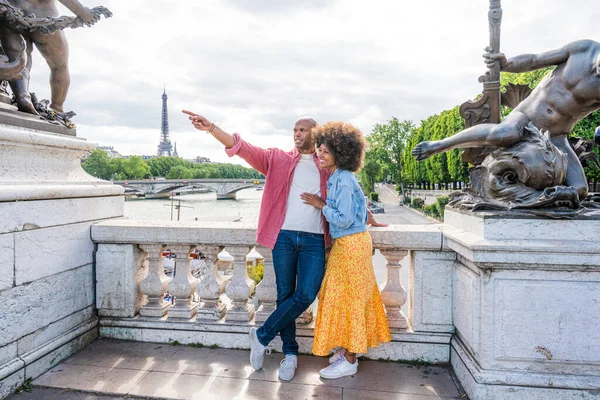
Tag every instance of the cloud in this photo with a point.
(255, 66)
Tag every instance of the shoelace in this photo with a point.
(288, 360)
(341, 353)
(338, 362)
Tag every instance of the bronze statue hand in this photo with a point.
(490, 58)
(88, 17)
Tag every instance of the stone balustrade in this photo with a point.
(132, 286)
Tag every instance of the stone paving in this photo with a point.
(109, 369)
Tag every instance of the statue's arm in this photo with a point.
(79, 9)
(530, 62)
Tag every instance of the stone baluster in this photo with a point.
(240, 287)
(155, 284)
(183, 285)
(211, 288)
(393, 294)
(266, 291)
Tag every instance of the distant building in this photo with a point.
(202, 160)
(112, 153)
(165, 148)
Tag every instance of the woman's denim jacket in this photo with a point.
(346, 208)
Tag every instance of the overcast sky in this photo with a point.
(255, 66)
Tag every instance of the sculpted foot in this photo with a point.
(56, 107)
(425, 150)
(25, 105)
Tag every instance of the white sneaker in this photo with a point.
(287, 368)
(339, 368)
(257, 350)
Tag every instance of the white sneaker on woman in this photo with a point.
(340, 368)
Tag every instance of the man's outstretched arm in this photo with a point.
(203, 124)
(256, 156)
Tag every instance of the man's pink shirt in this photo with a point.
(278, 167)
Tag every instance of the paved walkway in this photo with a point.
(109, 369)
(394, 212)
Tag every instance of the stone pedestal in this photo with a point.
(48, 204)
(526, 305)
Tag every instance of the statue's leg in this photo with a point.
(55, 50)
(507, 133)
(575, 174)
(11, 43)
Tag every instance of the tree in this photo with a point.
(369, 173)
(136, 168)
(388, 141)
(99, 164)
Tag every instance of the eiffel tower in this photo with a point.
(165, 147)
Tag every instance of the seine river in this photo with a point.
(203, 206)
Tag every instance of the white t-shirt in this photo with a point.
(299, 216)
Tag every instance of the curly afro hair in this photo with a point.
(345, 141)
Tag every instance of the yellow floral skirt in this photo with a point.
(350, 314)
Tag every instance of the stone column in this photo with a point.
(240, 287)
(183, 286)
(393, 294)
(211, 288)
(266, 291)
(155, 284)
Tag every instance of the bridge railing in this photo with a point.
(132, 286)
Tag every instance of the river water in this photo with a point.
(203, 206)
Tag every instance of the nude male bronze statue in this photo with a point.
(565, 96)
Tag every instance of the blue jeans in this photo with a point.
(299, 263)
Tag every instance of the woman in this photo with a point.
(351, 316)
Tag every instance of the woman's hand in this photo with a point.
(199, 121)
(313, 200)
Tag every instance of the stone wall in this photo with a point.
(47, 272)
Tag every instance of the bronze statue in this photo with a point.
(564, 97)
(42, 16)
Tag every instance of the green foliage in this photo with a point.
(370, 172)
(585, 129)
(256, 272)
(440, 206)
(418, 203)
(441, 168)
(135, 167)
(386, 150)
(99, 164)
(27, 386)
(374, 196)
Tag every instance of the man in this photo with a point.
(564, 97)
(296, 232)
(54, 48)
